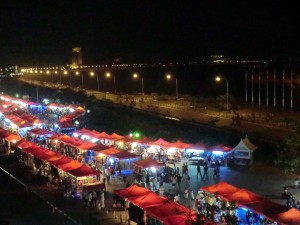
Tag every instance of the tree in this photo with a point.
(287, 155)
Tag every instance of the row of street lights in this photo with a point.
(137, 76)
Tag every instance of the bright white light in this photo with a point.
(217, 152)
(153, 170)
(111, 161)
(194, 150)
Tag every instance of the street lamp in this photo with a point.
(66, 73)
(114, 77)
(169, 77)
(136, 76)
(93, 74)
(219, 79)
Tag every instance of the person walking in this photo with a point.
(216, 174)
(186, 196)
(154, 183)
(173, 182)
(199, 170)
(179, 180)
(205, 167)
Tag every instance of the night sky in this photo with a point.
(43, 32)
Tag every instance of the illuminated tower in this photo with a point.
(76, 57)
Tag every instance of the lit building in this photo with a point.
(76, 57)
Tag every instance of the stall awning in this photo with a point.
(161, 143)
(222, 189)
(220, 148)
(180, 145)
(132, 191)
(40, 132)
(109, 151)
(24, 144)
(99, 147)
(147, 163)
(83, 171)
(290, 217)
(94, 186)
(243, 196)
(124, 155)
(13, 137)
(72, 165)
(198, 146)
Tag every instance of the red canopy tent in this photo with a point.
(50, 156)
(83, 131)
(198, 146)
(132, 191)
(131, 139)
(171, 213)
(38, 131)
(84, 171)
(109, 151)
(24, 144)
(61, 161)
(222, 189)
(148, 200)
(147, 163)
(243, 197)
(72, 165)
(266, 207)
(99, 147)
(116, 136)
(180, 145)
(290, 217)
(13, 137)
(4, 133)
(161, 143)
(124, 155)
(220, 147)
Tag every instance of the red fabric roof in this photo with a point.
(83, 131)
(38, 131)
(222, 189)
(84, 171)
(147, 200)
(160, 142)
(24, 144)
(61, 161)
(179, 144)
(147, 163)
(198, 146)
(266, 207)
(98, 147)
(4, 133)
(109, 151)
(124, 155)
(13, 137)
(50, 156)
(132, 191)
(72, 165)
(171, 213)
(243, 196)
(130, 139)
(116, 136)
(220, 147)
(290, 217)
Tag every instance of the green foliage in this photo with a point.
(287, 155)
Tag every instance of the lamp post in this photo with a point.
(114, 77)
(97, 77)
(219, 79)
(77, 73)
(59, 76)
(169, 77)
(66, 73)
(135, 76)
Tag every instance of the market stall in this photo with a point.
(242, 154)
(145, 167)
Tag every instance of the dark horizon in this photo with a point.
(38, 33)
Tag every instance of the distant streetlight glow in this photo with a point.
(169, 77)
(136, 76)
(219, 79)
(108, 75)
